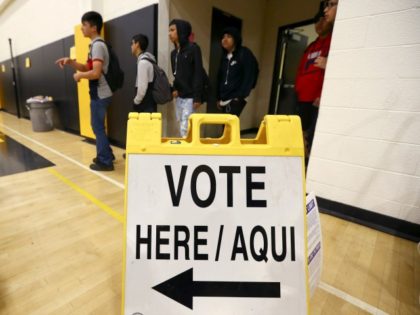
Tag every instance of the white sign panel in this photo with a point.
(215, 235)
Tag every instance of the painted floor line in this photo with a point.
(350, 299)
(99, 174)
(88, 196)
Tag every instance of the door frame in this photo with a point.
(277, 61)
(214, 61)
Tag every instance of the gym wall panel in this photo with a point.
(119, 32)
(6, 81)
(69, 105)
(45, 78)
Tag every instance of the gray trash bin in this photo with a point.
(42, 115)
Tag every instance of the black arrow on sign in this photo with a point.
(182, 288)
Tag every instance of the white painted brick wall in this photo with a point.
(366, 151)
(35, 23)
(357, 8)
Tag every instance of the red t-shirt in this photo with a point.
(309, 79)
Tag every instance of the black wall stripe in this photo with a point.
(383, 223)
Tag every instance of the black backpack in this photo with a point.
(115, 76)
(161, 92)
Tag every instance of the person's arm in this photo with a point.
(173, 87)
(198, 77)
(72, 63)
(93, 74)
(99, 51)
(142, 80)
(321, 62)
(248, 74)
(219, 82)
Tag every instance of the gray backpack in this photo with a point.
(161, 92)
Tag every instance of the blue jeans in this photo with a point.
(184, 108)
(98, 109)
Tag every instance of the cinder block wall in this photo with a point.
(366, 151)
(35, 23)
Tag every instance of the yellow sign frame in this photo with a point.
(278, 135)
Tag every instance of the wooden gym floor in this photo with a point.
(61, 239)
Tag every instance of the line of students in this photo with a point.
(311, 72)
(237, 76)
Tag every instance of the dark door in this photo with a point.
(220, 20)
(290, 48)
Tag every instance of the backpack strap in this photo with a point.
(149, 60)
(107, 48)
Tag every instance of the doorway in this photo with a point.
(220, 21)
(292, 41)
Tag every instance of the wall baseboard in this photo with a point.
(377, 221)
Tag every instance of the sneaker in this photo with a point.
(101, 167)
(95, 159)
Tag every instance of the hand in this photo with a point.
(321, 62)
(175, 94)
(63, 61)
(196, 105)
(77, 76)
(316, 102)
(218, 105)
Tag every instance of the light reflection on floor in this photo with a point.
(16, 158)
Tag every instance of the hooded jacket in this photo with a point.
(144, 78)
(187, 65)
(236, 75)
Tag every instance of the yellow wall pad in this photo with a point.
(84, 193)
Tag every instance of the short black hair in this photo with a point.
(318, 16)
(142, 40)
(94, 19)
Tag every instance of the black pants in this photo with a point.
(308, 114)
(145, 108)
(148, 104)
(235, 107)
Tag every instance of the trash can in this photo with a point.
(41, 112)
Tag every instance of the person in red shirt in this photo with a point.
(310, 78)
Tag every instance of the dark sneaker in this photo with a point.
(101, 167)
(95, 159)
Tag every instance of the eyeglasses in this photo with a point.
(329, 4)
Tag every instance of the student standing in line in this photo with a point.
(143, 100)
(330, 10)
(310, 79)
(187, 68)
(238, 73)
(99, 90)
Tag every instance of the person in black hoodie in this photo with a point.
(187, 68)
(237, 73)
